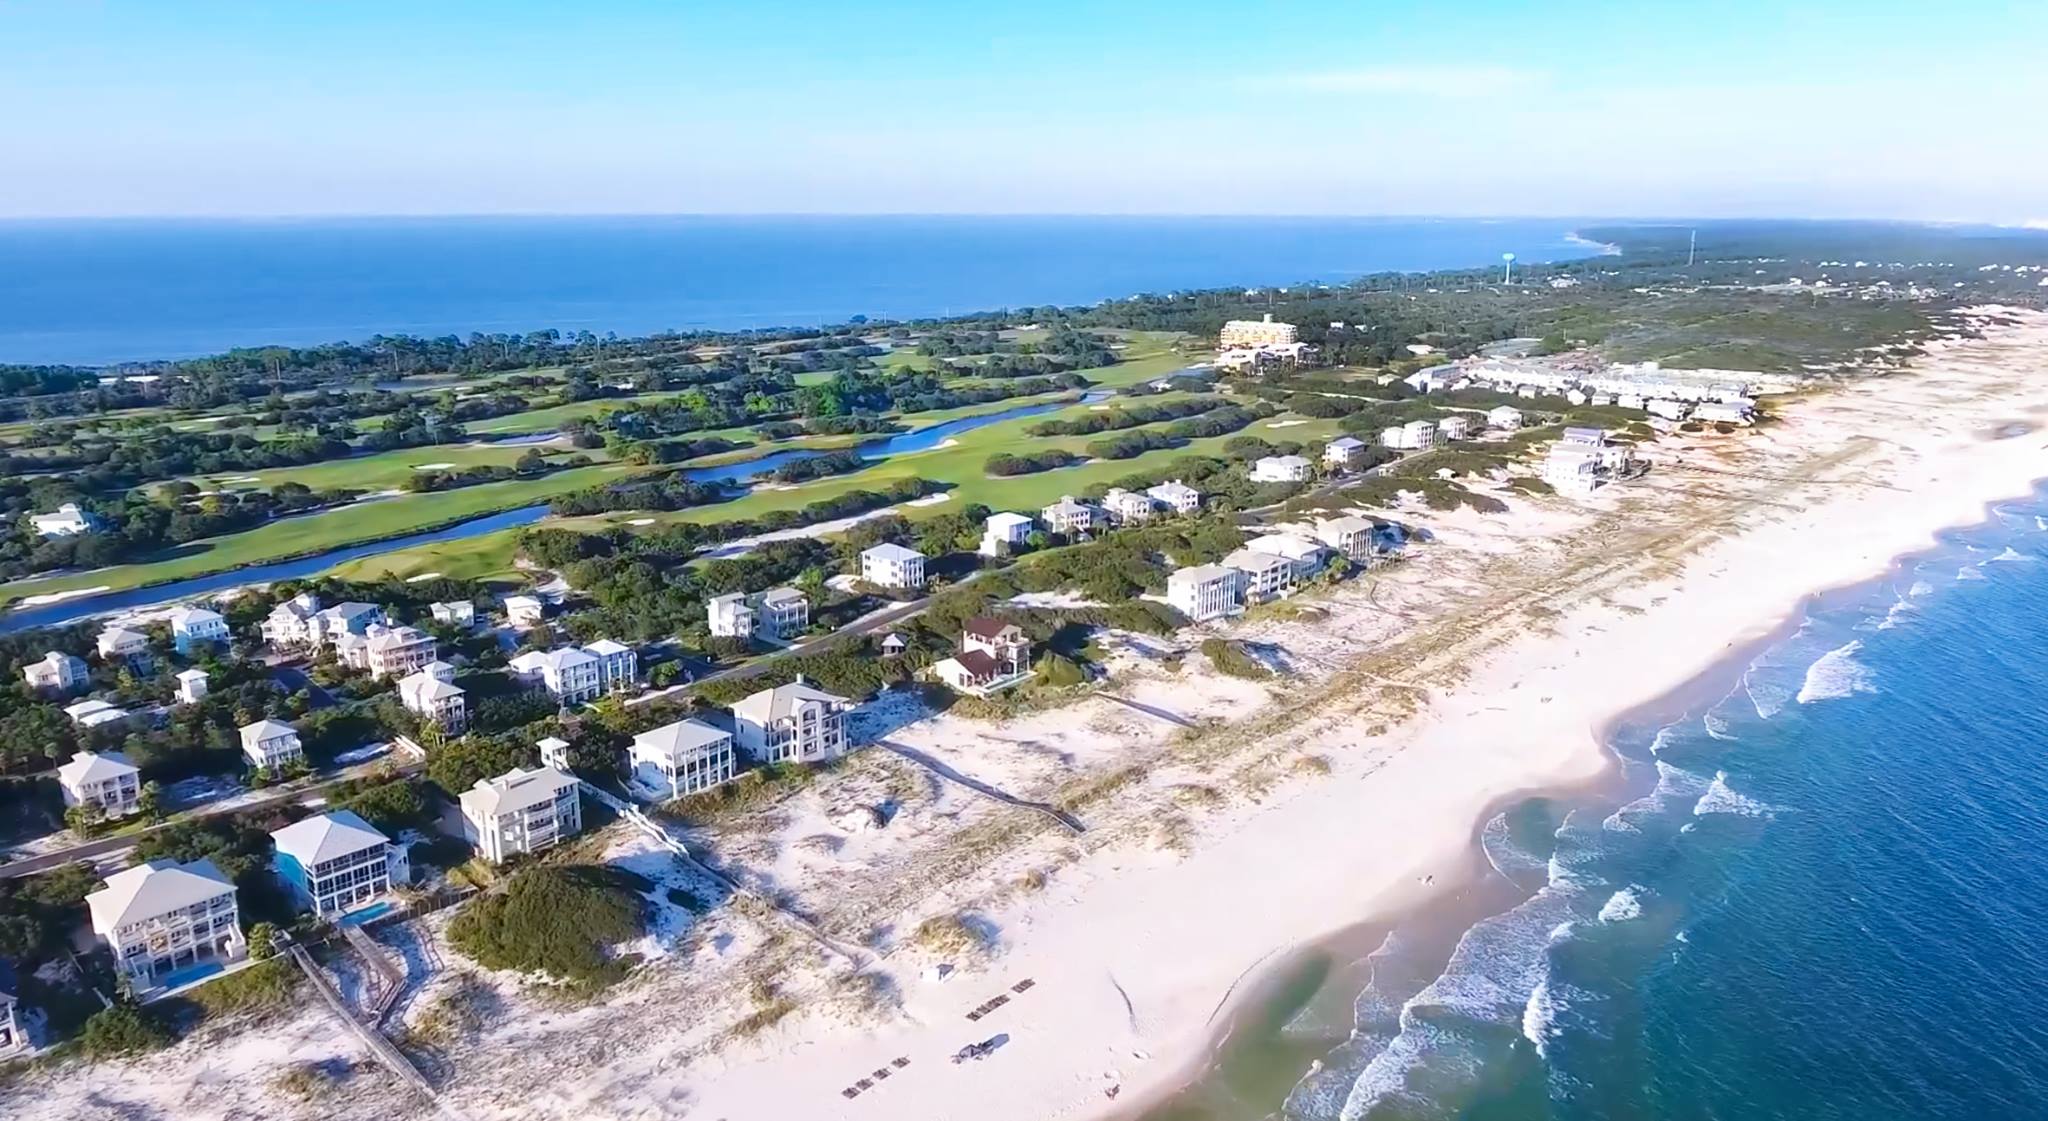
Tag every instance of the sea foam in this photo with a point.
(1622, 906)
(1837, 674)
(1720, 798)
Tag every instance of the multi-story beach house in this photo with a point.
(571, 675)
(1005, 533)
(291, 624)
(1572, 468)
(161, 917)
(352, 619)
(773, 614)
(454, 613)
(792, 723)
(730, 616)
(1176, 496)
(335, 862)
(57, 672)
(194, 628)
(70, 520)
(105, 779)
(119, 644)
(1305, 555)
(1343, 453)
(1256, 333)
(618, 666)
(686, 757)
(1456, 427)
(1127, 507)
(554, 752)
(431, 693)
(521, 812)
(1349, 535)
(13, 1036)
(994, 655)
(892, 566)
(191, 686)
(1204, 591)
(1069, 517)
(271, 746)
(1266, 576)
(1505, 417)
(1281, 469)
(397, 651)
(522, 611)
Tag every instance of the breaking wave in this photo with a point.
(1837, 674)
(1622, 906)
(1720, 798)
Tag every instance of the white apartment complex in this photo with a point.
(686, 757)
(1256, 333)
(161, 916)
(792, 723)
(521, 812)
(334, 862)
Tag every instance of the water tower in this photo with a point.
(1507, 268)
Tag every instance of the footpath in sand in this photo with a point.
(1226, 820)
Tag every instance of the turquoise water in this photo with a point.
(1823, 896)
(110, 291)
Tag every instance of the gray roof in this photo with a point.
(889, 550)
(90, 766)
(1252, 560)
(155, 888)
(1202, 574)
(781, 595)
(327, 836)
(680, 739)
(770, 705)
(514, 791)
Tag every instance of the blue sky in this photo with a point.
(1364, 107)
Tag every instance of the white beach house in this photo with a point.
(1127, 507)
(454, 613)
(70, 520)
(1281, 469)
(271, 746)
(521, 812)
(1004, 533)
(195, 627)
(105, 779)
(292, 623)
(1204, 591)
(618, 665)
(1344, 453)
(570, 675)
(792, 723)
(397, 651)
(686, 757)
(1305, 555)
(1505, 417)
(781, 613)
(57, 672)
(994, 655)
(161, 917)
(95, 713)
(1176, 496)
(892, 566)
(121, 644)
(191, 686)
(554, 752)
(1266, 576)
(430, 692)
(1069, 516)
(522, 611)
(1457, 427)
(353, 618)
(1350, 535)
(730, 616)
(335, 862)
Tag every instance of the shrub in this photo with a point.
(560, 920)
(1232, 658)
(122, 1030)
(259, 988)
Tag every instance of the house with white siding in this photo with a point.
(1349, 535)
(191, 686)
(334, 862)
(686, 757)
(293, 623)
(1266, 576)
(1344, 453)
(1305, 555)
(522, 611)
(271, 746)
(892, 566)
(397, 651)
(1005, 533)
(1070, 517)
(1281, 469)
(994, 655)
(95, 713)
(792, 723)
(1506, 418)
(1456, 427)
(454, 613)
(105, 779)
(570, 675)
(1127, 507)
(430, 692)
(521, 812)
(57, 672)
(1204, 591)
(13, 1035)
(162, 917)
(121, 644)
(1176, 496)
(618, 666)
(195, 627)
(70, 520)
(730, 616)
(781, 613)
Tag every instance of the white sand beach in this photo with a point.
(1227, 820)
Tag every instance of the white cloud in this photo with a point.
(1433, 80)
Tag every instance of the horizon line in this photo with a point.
(516, 215)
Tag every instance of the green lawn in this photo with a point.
(383, 471)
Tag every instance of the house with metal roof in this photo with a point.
(334, 862)
(521, 812)
(686, 757)
(161, 918)
(792, 723)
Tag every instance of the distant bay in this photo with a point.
(104, 291)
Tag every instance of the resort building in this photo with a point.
(1255, 333)
(191, 686)
(13, 1037)
(522, 611)
(431, 693)
(1457, 427)
(1349, 535)
(1506, 417)
(792, 723)
(521, 812)
(571, 675)
(101, 778)
(455, 613)
(892, 566)
(1305, 555)
(1344, 453)
(618, 666)
(1127, 507)
(271, 746)
(334, 862)
(1004, 533)
(95, 713)
(57, 672)
(1266, 576)
(1281, 469)
(686, 757)
(1204, 591)
(1069, 517)
(161, 917)
(195, 627)
(293, 622)
(730, 616)
(1176, 496)
(122, 644)
(69, 521)
(397, 651)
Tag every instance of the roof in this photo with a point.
(1175, 487)
(520, 601)
(1585, 435)
(1201, 574)
(425, 686)
(1252, 560)
(552, 743)
(605, 647)
(325, 837)
(781, 595)
(891, 551)
(684, 737)
(1005, 519)
(892, 639)
(266, 729)
(987, 626)
(1284, 545)
(558, 659)
(154, 888)
(186, 616)
(770, 705)
(515, 790)
(350, 610)
(977, 663)
(399, 636)
(1349, 523)
(1347, 442)
(94, 766)
(122, 634)
(92, 713)
(1282, 461)
(191, 675)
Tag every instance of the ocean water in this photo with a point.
(1823, 896)
(111, 291)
